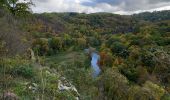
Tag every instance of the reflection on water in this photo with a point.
(94, 63)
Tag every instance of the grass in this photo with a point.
(65, 57)
(68, 64)
(75, 67)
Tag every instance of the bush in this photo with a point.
(25, 71)
(156, 91)
(162, 41)
(166, 97)
(56, 44)
(148, 60)
(106, 59)
(120, 50)
(149, 91)
(92, 41)
(40, 46)
(81, 43)
(115, 85)
(131, 73)
(112, 40)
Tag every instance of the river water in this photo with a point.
(94, 63)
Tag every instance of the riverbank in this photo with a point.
(75, 66)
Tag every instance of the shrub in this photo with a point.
(40, 46)
(56, 43)
(115, 85)
(156, 91)
(81, 42)
(106, 59)
(92, 41)
(25, 71)
(149, 91)
(162, 41)
(148, 60)
(119, 49)
(131, 73)
(112, 40)
(166, 97)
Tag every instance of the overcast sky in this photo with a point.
(92, 6)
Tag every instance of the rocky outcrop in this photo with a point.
(64, 85)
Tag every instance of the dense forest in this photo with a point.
(43, 55)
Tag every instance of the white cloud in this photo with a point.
(139, 11)
(78, 6)
(59, 6)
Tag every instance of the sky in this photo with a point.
(92, 6)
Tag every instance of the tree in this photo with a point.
(149, 91)
(106, 59)
(16, 8)
(156, 91)
(3, 3)
(67, 40)
(115, 85)
(119, 49)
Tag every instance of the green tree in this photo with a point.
(115, 85)
(119, 49)
(16, 7)
(3, 3)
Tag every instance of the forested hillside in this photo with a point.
(154, 16)
(43, 56)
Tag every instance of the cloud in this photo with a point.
(91, 6)
(133, 5)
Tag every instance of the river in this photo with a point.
(94, 63)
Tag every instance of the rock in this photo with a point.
(10, 96)
(32, 87)
(64, 85)
(31, 55)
